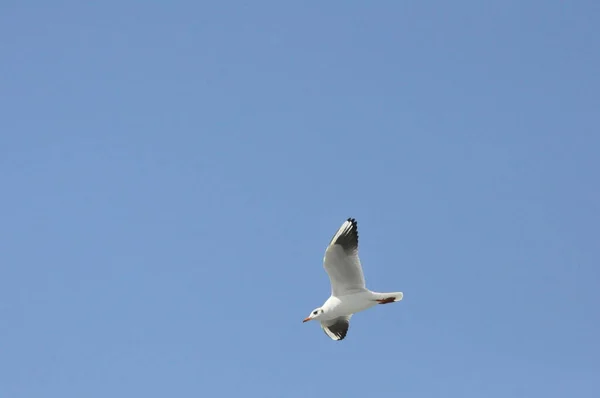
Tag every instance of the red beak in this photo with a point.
(306, 320)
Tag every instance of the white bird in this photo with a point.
(349, 294)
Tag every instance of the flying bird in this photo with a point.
(349, 294)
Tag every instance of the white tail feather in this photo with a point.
(389, 297)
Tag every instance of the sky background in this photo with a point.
(171, 173)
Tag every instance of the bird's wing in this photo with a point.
(337, 327)
(341, 261)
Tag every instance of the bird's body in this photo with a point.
(349, 294)
(347, 305)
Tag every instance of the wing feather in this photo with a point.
(342, 262)
(337, 328)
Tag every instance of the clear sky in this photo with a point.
(171, 173)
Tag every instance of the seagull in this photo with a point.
(349, 294)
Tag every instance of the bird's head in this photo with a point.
(315, 314)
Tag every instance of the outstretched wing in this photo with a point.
(336, 328)
(341, 260)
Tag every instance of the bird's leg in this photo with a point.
(386, 300)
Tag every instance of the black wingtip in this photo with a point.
(339, 329)
(347, 237)
(354, 224)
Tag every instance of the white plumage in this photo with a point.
(349, 294)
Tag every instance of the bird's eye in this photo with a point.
(314, 312)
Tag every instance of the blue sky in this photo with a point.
(171, 173)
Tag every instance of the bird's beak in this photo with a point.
(306, 320)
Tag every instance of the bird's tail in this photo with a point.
(386, 298)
